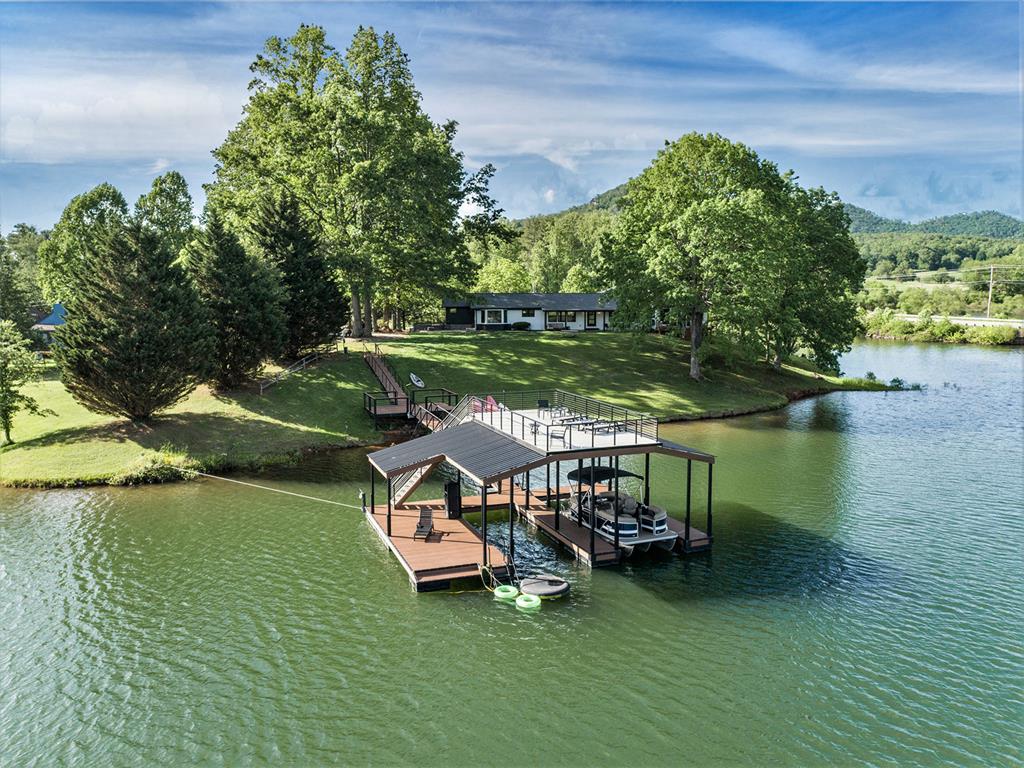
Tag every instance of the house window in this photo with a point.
(591, 319)
(560, 316)
(493, 316)
(527, 312)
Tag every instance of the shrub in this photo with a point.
(990, 335)
(520, 325)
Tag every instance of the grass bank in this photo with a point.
(321, 407)
(648, 373)
(316, 408)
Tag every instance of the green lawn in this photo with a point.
(322, 406)
(648, 373)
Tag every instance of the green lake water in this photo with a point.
(863, 605)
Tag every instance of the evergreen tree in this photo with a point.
(18, 366)
(243, 299)
(136, 339)
(314, 309)
(14, 299)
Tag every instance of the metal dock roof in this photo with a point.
(475, 448)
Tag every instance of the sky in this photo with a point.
(909, 109)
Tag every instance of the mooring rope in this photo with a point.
(268, 488)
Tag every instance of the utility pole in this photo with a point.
(991, 279)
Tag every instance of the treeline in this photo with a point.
(901, 254)
(336, 200)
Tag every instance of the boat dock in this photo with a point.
(499, 444)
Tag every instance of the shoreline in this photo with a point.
(157, 470)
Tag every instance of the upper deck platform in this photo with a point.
(555, 421)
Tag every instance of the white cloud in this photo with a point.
(159, 165)
(549, 195)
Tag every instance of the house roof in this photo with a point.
(550, 301)
(477, 449)
(55, 318)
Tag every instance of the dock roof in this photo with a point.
(485, 454)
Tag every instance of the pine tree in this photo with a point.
(314, 307)
(243, 298)
(136, 339)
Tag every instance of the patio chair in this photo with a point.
(543, 406)
(425, 526)
(557, 432)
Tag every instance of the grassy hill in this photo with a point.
(322, 407)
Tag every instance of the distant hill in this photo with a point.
(977, 224)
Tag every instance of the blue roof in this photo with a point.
(56, 316)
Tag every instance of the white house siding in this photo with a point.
(539, 320)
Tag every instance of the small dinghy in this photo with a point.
(545, 586)
(416, 380)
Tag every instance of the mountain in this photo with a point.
(976, 224)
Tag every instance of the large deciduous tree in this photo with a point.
(167, 210)
(136, 339)
(18, 366)
(242, 297)
(312, 302)
(712, 236)
(14, 297)
(87, 220)
(346, 134)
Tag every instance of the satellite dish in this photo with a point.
(416, 380)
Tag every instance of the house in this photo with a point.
(51, 322)
(539, 311)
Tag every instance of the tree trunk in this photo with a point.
(357, 314)
(367, 310)
(696, 339)
(7, 435)
(777, 361)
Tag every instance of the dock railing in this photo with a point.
(504, 411)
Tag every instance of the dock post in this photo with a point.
(593, 512)
(373, 488)
(710, 465)
(511, 527)
(483, 520)
(686, 528)
(558, 492)
(547, 479)
(389, 506)
(616, 502)
(647, 479)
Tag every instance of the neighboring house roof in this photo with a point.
(53, 320)
(550, 301)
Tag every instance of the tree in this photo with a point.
(167, 210)
(682, 233)
(243, 301)
(581, 279)
(136, 338)
(14, 298)
(24, 241)
(87, 220)
(18, 366)
(500, 275)
(313, 306)
(382, 183)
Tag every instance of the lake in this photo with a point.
(862, 605)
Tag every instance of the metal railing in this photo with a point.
(298, 365)
(504, 411)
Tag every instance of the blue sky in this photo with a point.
(909, 109)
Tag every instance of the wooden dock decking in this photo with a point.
(453, 551)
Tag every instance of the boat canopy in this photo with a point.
(600, 474)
